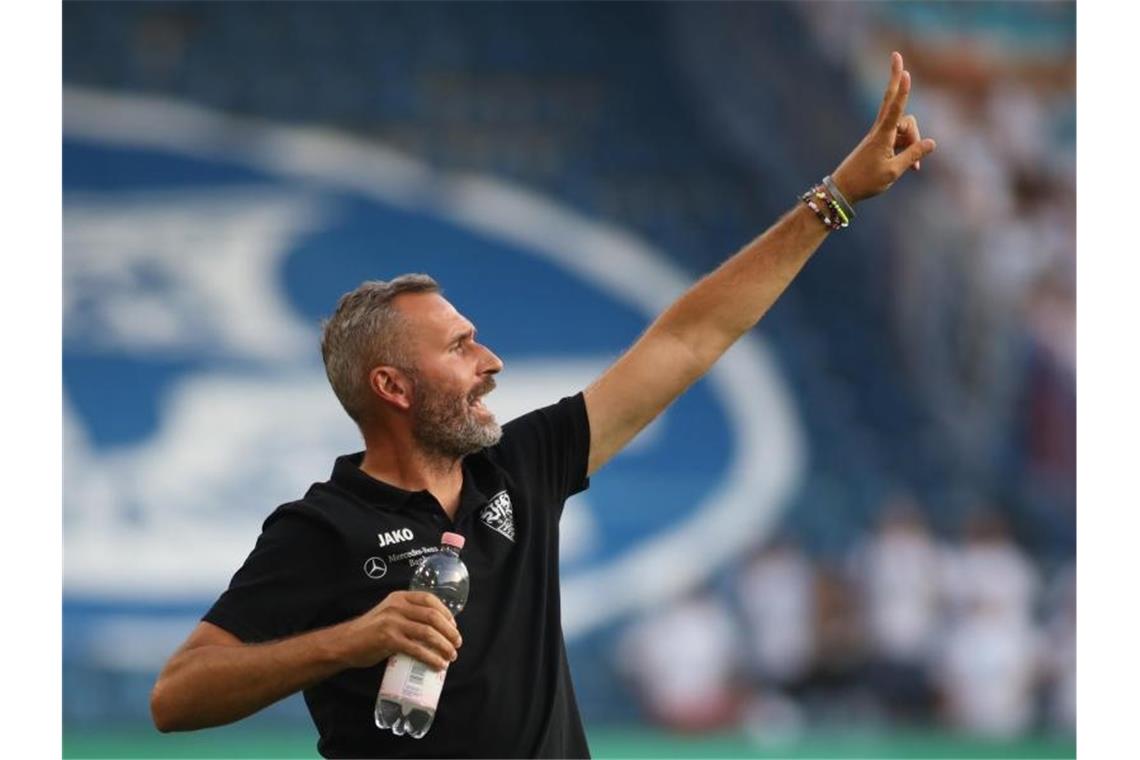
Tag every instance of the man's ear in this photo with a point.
(392, 385)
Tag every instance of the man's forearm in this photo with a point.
(730, 300)
(215, 684)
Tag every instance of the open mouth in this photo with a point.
(476, 402)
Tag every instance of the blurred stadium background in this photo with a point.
(856, 537)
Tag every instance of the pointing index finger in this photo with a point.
(892, 84)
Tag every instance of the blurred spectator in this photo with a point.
(775, 589)
(683, 662)
(835, 689)
(897, 569)
(990, 571)
(989, 661)
(987, 672)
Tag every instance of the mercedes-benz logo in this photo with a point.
(374, 567)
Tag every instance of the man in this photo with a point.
(320, 604)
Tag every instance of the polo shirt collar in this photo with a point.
(481, 477)
(348, 475)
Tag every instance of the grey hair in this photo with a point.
(365, 331)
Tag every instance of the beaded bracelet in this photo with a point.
(835, 220)
(837, 210)
(823, 217)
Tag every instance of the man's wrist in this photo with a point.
(843, 184)
(333, 645)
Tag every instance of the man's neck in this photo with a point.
(412, 470)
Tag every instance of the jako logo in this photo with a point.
(390, 537)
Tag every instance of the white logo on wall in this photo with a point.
(141, 273)
(374, 567)
(389, 537)
(499, 516)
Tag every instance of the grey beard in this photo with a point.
(445, 427)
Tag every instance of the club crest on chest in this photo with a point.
(499, 515)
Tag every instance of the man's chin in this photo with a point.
(491, 432)
(483, 420)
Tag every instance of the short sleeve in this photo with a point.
(285, 582)
(551, 446)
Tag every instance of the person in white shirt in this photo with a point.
(683, 662)
(897, 569)
(990, 659)
(776, 594)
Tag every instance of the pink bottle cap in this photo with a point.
(453, 539)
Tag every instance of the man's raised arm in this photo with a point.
(688, 337)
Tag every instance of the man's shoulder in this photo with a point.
(317, 509)
(544, 442)
(521, 437)
(569, 410)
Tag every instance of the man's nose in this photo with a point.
(492, 364)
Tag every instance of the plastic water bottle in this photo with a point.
(410, 690)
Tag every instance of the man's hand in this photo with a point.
(891, 147)
(413, 622)
(215, 678)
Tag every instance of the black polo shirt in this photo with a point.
(339, 551)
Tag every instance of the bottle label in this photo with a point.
(408, 680)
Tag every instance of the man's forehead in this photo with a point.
(432, 315)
